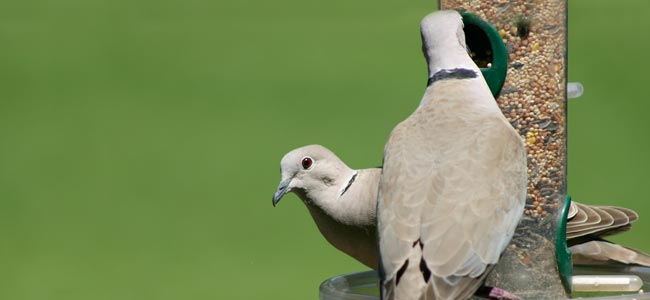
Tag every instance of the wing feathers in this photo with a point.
(463, 204)
(599, 220)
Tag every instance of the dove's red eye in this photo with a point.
(306, 162)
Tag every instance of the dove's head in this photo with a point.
(314, 173)
(443, 41)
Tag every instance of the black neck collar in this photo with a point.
(345, 189)
(458, 73)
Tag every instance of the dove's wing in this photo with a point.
(451, 193)
(598, 221)
(590, 224)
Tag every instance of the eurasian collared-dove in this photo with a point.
(348, 220)
(453, 182)
(342, 201)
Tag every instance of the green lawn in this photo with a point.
(140, 140)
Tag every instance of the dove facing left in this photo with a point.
(335, 196)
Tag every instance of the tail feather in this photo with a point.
(600, 251)
(459, 287)
(412, 285)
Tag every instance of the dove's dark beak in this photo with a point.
(283, 188)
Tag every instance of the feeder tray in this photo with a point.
(363, 285)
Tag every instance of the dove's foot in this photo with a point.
(489, 292)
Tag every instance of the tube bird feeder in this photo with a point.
(533, 98)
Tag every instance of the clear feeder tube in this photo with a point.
(533, 99)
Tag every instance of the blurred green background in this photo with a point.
(140, 140)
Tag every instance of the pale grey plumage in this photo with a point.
(335, 208)
(453, 183)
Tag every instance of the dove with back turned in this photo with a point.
(453, 184)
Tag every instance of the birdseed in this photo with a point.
(533, 96)
(533, 99)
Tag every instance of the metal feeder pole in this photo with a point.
(536, 265)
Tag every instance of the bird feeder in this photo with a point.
(536, 264)
(521, 48)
